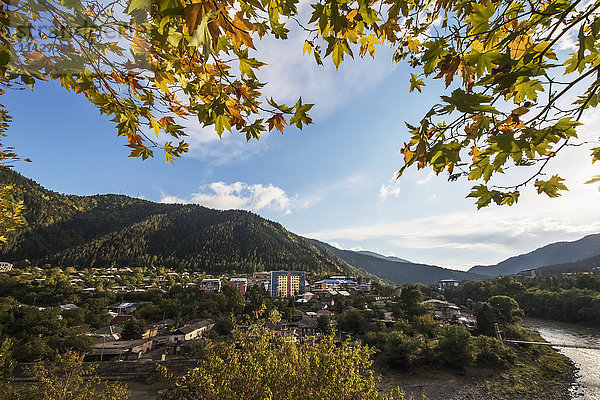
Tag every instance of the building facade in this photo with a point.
(287, 283)
(239, 284)
(211, 285)
(445, 283)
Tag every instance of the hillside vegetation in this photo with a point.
(105, 230)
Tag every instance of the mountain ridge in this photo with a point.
(375, 254)
(398, 272)
(563, 252)
(106, 230)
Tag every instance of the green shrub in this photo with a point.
(455, 345)
(492, 352)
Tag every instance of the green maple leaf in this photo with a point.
(483, 62)
(471, 103)
(247, 65)
(222, 123)
(526, 88)
(480, 16)
(550, 187)
(300, 114)
(337, 47)
(415, 83)
(254, 129)
(137, 4)
(202, 37)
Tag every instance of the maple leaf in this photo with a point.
(300, 116)
(277, 121)
(415, 83)
(519, 46)
(551, 186)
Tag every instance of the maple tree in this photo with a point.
(10, 206)
(515, 99)
(151, 64)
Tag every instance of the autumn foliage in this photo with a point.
(514, 96)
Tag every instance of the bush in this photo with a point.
(455, 345)
(492, 352)
(397, 350)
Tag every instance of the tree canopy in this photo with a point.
(258, 365)
(514, 96)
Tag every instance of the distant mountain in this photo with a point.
(578, 266)
(397, 271)
(552, 254)
(105, 230)
(390, 258)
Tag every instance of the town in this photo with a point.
(137, 313)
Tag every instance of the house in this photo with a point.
(308, 296)
(528, 273)
(191, 331)
(122, 308)
(150, 331)
(283, 329)
(122, 350)
(446, 283)
(67, 307)
(443, 309)
(324, 312)
(211, 285)
(335, 283)
(120, 319)
(261, 279)
(165, 326)
(364, 287)
(109, 332)
(5, 266)
(307, 326)
(239, 284)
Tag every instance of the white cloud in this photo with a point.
(356, 248)
(290, 75)
(238, 195)
(205, 144)
(468, 237)
(428, 178)
(316, 194)
(389, 190)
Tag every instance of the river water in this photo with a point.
(586, 360)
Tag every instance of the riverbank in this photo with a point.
(585, 359)
(537, 373)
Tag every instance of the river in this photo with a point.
(586, 360)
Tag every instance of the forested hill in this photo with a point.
(397, 271)
(564, 253)
(106, 230)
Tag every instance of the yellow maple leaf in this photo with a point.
(519, 46)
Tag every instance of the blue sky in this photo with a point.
(333, 181)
